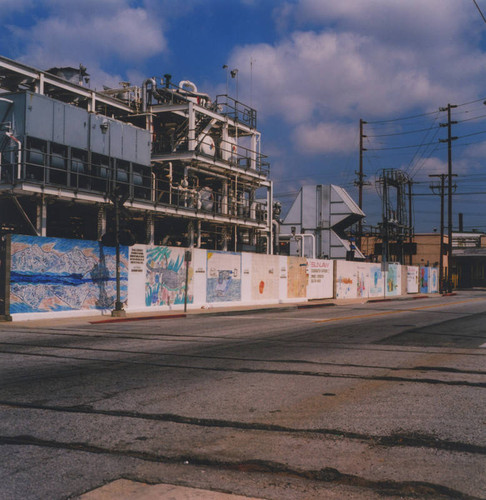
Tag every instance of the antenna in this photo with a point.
(234, 74)
(251, 81)
(225, 66)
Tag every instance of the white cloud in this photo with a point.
(326, 138)
(370, 59)
(375, 57)
(92, 33)
(394, 21)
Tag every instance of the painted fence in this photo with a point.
(55, 276)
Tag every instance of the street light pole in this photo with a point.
(118, 199)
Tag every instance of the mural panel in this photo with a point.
(362, 280)
(166, 277)
(433, 280)
(54, 274)
(393, 284)
(296, 277)
(223, 277)
(264, 277)
(412, 279)
(424, 280)
(346, 280)
(377, 281)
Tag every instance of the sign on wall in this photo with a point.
(320, 282)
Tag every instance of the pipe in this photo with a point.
(301, 237)
(183, 84)
(10, 104)
(276, 235)
(187, 83)
(19, 158)
(144, 92)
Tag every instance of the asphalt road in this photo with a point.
(363, 401)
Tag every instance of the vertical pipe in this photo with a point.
(192, 127)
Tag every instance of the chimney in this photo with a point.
(461, 225)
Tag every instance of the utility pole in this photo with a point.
(442, 178)
(410, 221)
(360, 182)
(449, 188)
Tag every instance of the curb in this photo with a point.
(138, 318)
(248, 311)
(311, 306)
(416, 297)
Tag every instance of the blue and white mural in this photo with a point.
(424, 280)
(223, 277)
(433, 280)
(54, 274)
(377, 280)
(166, 277)
(393, 279)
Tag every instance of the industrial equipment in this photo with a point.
(190, 166)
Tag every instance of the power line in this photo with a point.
(477, 6)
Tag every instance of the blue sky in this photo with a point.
(312, 68)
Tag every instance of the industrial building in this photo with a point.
(184, 169)
(316, 224)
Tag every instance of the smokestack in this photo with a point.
(461, 225)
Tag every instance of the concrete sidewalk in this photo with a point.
(123, 489)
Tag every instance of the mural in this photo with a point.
(53, 274)
(424, 280)
(412, 279)
(264, 277)
(166, 277)
(346, 280)
(393, 279)
(377, 281)
(223, 277)
(296, 277)
(433, 280)
(362, 280)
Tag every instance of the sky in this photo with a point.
(311, 68)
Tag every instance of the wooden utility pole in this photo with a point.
(449, 188)
(410, 221)
(360, 182)
(442, 177)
